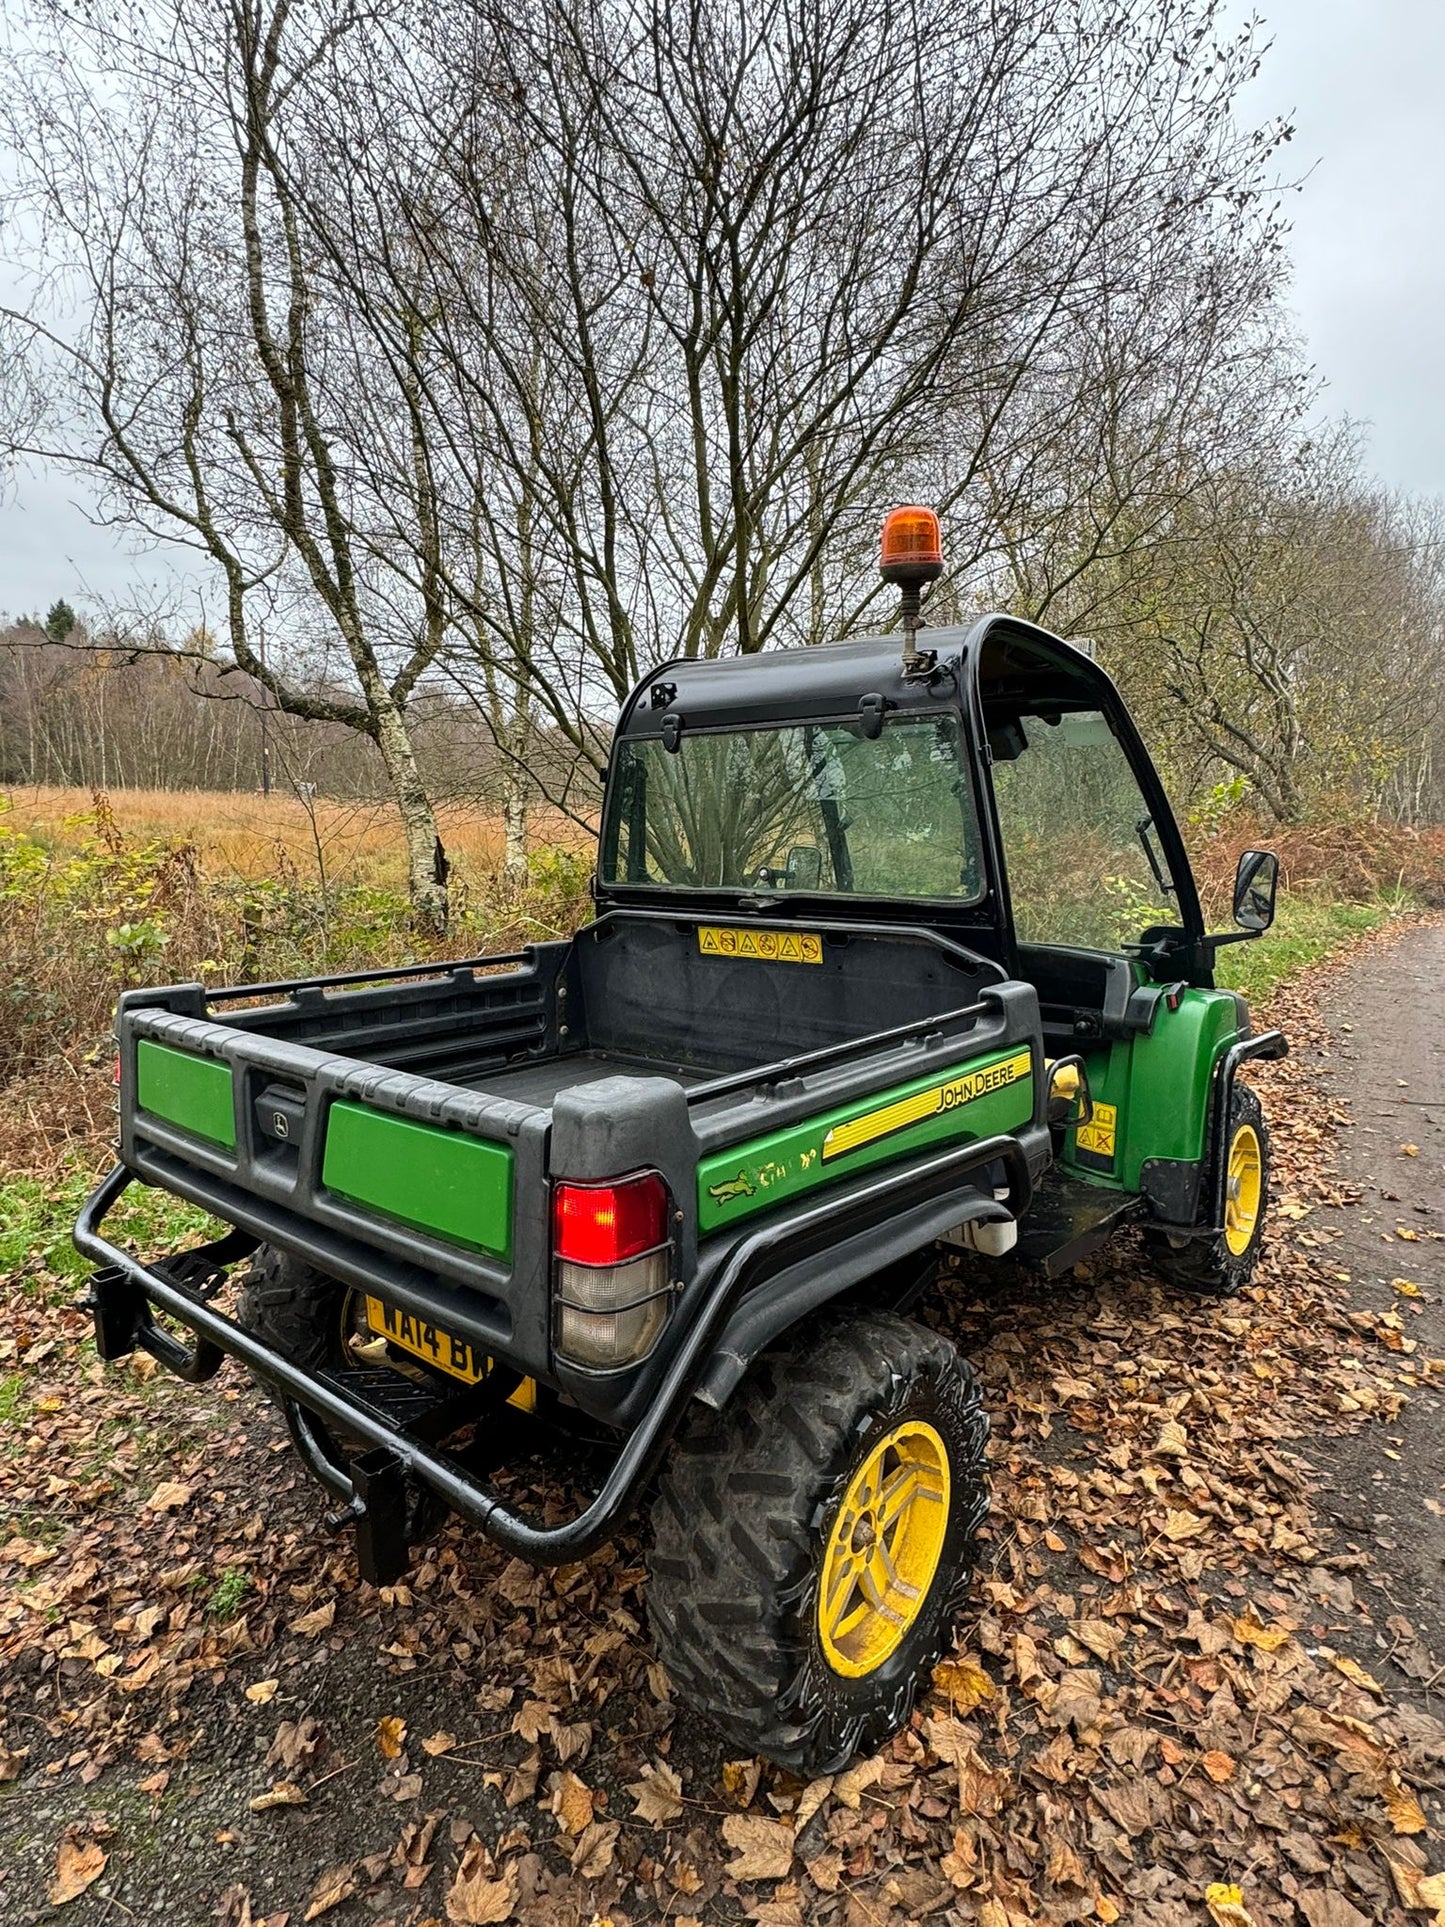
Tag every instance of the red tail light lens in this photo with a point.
(606, 1224)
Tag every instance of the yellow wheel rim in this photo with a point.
(1244, 1189)
(883, 1549)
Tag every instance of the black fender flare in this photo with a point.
(880, 1250)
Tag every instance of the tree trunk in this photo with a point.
(426, 860)
(514, 823)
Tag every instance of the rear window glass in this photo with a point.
(814, 807)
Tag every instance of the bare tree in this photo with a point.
(210, 382)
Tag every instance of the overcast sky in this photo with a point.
(1364, 83)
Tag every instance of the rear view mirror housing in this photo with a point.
(1256, 882)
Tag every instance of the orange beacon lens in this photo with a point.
(912, 546)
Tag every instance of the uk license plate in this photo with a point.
(427, 1342)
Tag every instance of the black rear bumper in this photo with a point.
(125, 1293)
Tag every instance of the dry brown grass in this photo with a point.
(238, 833)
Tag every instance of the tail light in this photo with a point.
(613, 1260)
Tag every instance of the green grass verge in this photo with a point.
(36, 1215)
(1306, 929)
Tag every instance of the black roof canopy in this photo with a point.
(782, 685)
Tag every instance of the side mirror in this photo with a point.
(1069, 1099)
(1255, 883)
(805, 867)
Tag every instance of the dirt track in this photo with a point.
(1152, 1695)
(1386, 1070)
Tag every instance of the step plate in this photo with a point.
(1067, 1220)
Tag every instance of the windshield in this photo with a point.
(813, 807)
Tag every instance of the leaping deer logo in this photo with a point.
(739, 1187)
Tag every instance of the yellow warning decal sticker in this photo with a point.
(1098, 1134)
(925, 1104)
(769, 946)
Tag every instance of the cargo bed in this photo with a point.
(403, 1132)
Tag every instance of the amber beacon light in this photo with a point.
(911, 555)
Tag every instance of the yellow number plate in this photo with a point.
(426, 1342)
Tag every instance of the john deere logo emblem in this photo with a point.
(280, 1124)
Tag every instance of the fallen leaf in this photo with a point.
(263, 1692)
(1219, 1766)
(78, 1862)
(762, 1848)
(740, 1780)
(1180, 1524)
(1403, 1809)
(849, 1787)
(1407, 1288)
(169, 1494)
(439, 1743)
(334, 1886)
(1431, 1890)
(1355, 1674)
(658, 1794)
(319, 1620)
(964, 1681)
(1226, 1905)
(810, 1799)
(595, 1850)
(475, 1898)
(10, 1763)
(1173, 1440)
(1411, 1150)
(1251, 1631)
(285, 1793)
(390, 1736)
(1327, 1907)
(572, 1803)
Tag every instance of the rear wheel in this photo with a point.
(1220, 1266)
(813, 1542)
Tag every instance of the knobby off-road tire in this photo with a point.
(1220, 1267)
(295, 1308)
(747, 1521)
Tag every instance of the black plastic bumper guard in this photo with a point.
(373, 1488)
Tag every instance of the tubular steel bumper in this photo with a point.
(124, 1292)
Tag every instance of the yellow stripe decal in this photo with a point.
(924, 1104)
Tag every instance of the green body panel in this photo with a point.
(456, 1187)
(977, 1098)
(1159, 1087)
(193, 1093)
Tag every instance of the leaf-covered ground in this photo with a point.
(1187, 1689)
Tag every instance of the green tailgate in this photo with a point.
(193, 1093)
(456, 1187)
(972, 1100)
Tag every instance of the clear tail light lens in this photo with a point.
(612, 1270)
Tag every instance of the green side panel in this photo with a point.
(975, 1099)
(456, 1187)
(1159, 1087)
(193, 1093)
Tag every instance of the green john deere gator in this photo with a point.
(897, 963)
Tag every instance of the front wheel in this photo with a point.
(1220, 1266)
(813, 1542)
